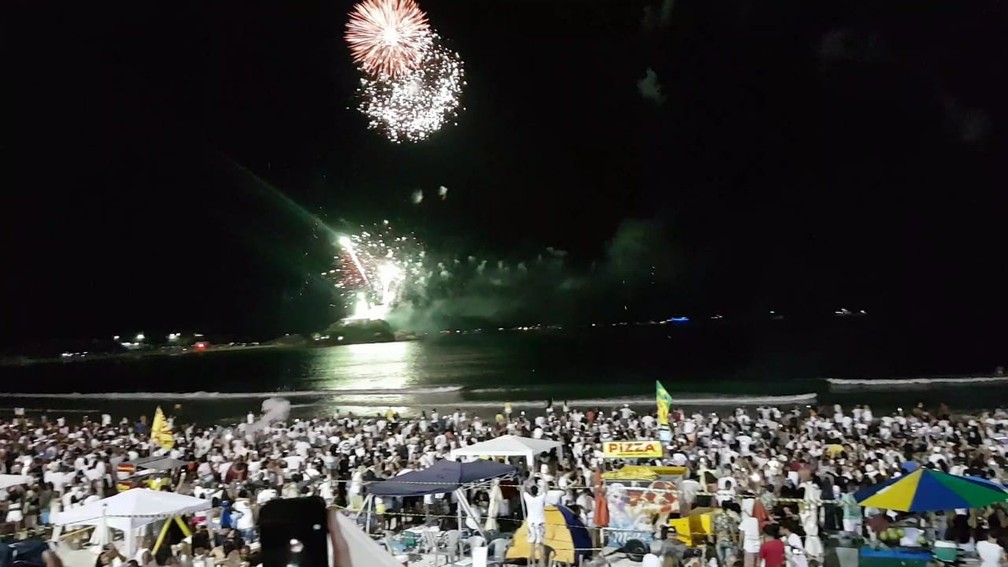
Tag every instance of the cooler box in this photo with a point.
(946, 551)
(892, 558)
(695, 526)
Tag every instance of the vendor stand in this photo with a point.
(924, 490)
(634, 496)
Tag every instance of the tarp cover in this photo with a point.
(441, 478)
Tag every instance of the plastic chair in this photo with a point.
(450, 550)
(453, 544)
(497, 554)
(469, 543)
(432, 547)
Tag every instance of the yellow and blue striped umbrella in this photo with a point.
(927, 490)
(565, 533)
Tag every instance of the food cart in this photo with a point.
(636, 497)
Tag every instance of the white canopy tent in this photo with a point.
(9, 480)
(128, 511)
(508, 446)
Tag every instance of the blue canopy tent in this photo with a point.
(442, 477)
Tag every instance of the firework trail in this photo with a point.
(387, 38)
(417, 103)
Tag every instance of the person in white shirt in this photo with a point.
(750, 534)
(535, 520)
(794, 547)
(653, 558)
(991, 554)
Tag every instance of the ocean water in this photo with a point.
(702, 366)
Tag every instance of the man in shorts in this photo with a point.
(535, 522)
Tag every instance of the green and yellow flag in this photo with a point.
(160, 432)
(664, 403)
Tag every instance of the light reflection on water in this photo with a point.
(378, 366)
(397, 365)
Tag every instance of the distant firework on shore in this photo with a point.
(382, 274)
(387, 38)
(418, 103)
(374, 268)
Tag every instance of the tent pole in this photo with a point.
(367, 516)
(364, 505)
(182, 526)
(463, 503)
(161, 536)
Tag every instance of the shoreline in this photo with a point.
(23, 361)
(133, 355)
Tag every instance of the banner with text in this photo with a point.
(632, 449)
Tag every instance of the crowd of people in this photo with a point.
(767, 459)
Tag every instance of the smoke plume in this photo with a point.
(273, 410)
(631, 280)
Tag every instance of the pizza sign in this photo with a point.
(631, 449)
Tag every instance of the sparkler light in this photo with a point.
(417, 103)
(387, 37)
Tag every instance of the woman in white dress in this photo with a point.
(355, 488)
(493, 508)
(809, 514)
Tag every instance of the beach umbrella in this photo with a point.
(928, 490)
(565, 533)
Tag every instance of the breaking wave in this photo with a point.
(705, 400)
(419, 396)
(236, 395)
(857, 384)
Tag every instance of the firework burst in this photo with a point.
(419, 102)
(375, 269)
(387, 38)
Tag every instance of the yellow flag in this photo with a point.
(161, 433)
(664, 400)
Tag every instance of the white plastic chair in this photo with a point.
(450, 550)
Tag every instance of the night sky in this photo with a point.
(163, 161)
